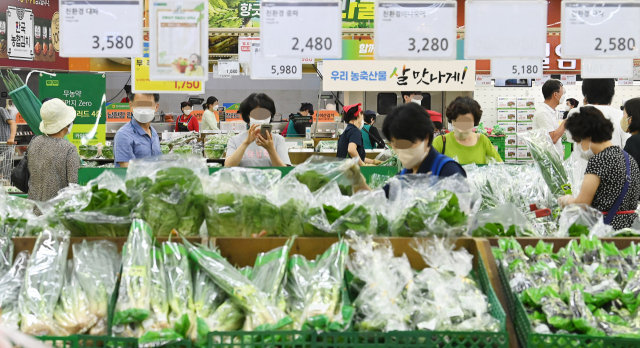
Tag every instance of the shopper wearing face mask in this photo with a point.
(612, 179)
(251, 149)
(137, 139)
(571, 104)
(545, 117)
(413, 145)
(53, 160)
(411, 97)
(187, 122)
(630, 123)
(463, 143)
(350, 143)
(209, 120)
(599, 94)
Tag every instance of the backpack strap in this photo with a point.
(616, 205)
(439, 162)
(444, 144)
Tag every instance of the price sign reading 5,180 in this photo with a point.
(516, 68)
(600, 29)
(428, 27)
(98, 28)
(290, 29)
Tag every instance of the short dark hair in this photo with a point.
(306, 107)
(408, 94)
(463, 106)
(351, 115)
(369, 117)
(438, 125)
(156, 96)
(589, 122)
(632, 107)
(256, 100)
(573, 102)
(599, 91)
(185, 104)
(550, 87)
(210, 101)
(408, 122)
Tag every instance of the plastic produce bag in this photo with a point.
(179, 288)
(299, 271)
(318, 171)
(72, 311)
(10, 285)
(102, 208)
(577, 219)
(159, 318)
(6, 254)
(423, 205)
(346, 213)
(133, 303)
(98, 279)
(207, 298)
(548, 161)
(502, 221)
(171, 192)
(43, 283)
(15, 214)
(300, 213)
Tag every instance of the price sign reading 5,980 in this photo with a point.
(99, 28)
(290, 29)
(428, 27)
(600, 29)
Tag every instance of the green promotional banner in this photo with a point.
(86, 93)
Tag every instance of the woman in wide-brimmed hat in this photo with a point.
(53, 160)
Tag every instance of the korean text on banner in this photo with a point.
(398, 75)
(179, 38)
(119, 112)
(140, 82)
(86, 93)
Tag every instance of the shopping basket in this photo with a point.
(6, 162)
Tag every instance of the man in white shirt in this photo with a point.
(545, 117)
(599, 94)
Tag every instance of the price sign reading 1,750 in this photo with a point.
(186, 85)
(284, 70)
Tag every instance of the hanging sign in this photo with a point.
(20, 34)
(244, 48)
(541, 81)
(299, 29)
(428, 29)
(119, 112)
(140, 82)
(506, 37)
(398, 75)
(178, 34)
(601, 68)
(483, 80)
(228, 67)
(99, 28)
(625, 82)
(568, 80)
(273, 68)
(216, 73)
(599, 29)
(516, 68)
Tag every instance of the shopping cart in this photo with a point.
(6, 162)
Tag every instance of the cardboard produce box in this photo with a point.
(526, 115)
(511, 140)
(506, 103)
(526, 103)
(509, 127)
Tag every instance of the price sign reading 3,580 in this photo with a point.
(600, 29)
(100, 28)
(290, 29)
(428, 27)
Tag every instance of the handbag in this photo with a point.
(20, 174)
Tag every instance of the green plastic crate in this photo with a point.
(60, 342)
(86, 341)
(499, 141)
(396, 339)
(529, 339)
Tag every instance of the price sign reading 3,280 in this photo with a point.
(98, 28)
(292, 29)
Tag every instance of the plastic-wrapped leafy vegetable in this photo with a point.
(179, 288)
(164, 149)
(184, 149)
(88, 151)
(72, 311)
(548, 161)
(159, 297)
(10, 285)
(299, 271)
(43, 283)
(214, 151)
(502, 221)
(207, 298)
(583, 319)
(318, 171)
(107, 152)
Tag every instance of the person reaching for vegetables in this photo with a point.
(612, 178)
(410, 131)
(251, 149)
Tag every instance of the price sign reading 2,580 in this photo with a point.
(297, 29)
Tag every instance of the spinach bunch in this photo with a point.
(426, 216)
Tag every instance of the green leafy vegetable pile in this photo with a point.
(107, 152)
(426, 216)
(88, 151)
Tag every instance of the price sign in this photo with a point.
(483, 80)
(601, 68)
(600, 29)
(140, 82)
(100, 28)
(541, 81)
(506, 36)
(516, 68)
(228, 67)
(244, 48)
(568, 80)
(273, 68)
(625, 82)
(216, 74)
(428, 29)
(292, 29)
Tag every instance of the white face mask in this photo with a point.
(460, 134)
(419, 102)
(187, 112)
(585, 155)
(143, 115)
(563, 99)
(361, 123)
(253, 121)
(70, 128)
(412, 157)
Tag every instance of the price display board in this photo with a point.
(263, 68)
(428, 29)
(516, 68)
(291, 29)
(505, 29)
(483, 80)
(599, 29)
(601, 68)
(100, 28)
(228, 67)
(140, 82)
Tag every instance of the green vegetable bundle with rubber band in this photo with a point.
(548, 161)
(318, 171)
